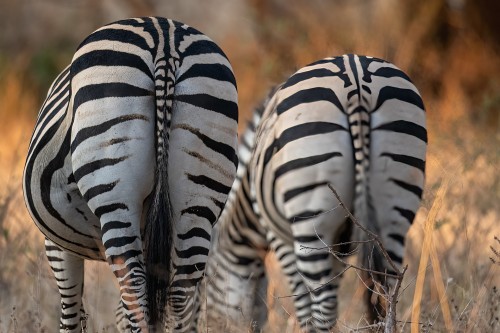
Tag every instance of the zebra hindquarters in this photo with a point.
(397, 171)
(113, 160)
(201, 167)
(314, 150)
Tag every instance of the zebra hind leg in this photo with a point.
(68, 271)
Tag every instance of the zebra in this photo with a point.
(353, 122)
(131, 161)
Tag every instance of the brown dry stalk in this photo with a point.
(438, 280)
(424, 257)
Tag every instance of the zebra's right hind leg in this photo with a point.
(233, 292)
(122, 322)
(68, 271)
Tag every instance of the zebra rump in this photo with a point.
(131, 161)
(353, 122)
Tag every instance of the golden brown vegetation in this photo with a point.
(451, 283)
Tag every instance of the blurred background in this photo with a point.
(450, 48)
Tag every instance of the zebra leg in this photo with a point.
(68, 271)
(235, 293)
(301, 294)
(316, 228)
(115, 182)
(122, 322)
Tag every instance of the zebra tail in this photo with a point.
(370, 256)
(364, 212)
(158, 229)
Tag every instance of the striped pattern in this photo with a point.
(355, 122)
(131, 161)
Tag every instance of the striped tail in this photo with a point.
(369, 254)
(363, 211)
(158, 230)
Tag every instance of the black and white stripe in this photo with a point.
(355, 122)
(131, 161)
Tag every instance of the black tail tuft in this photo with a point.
(158, 244)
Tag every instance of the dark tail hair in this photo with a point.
(158, 229)
(370, 255)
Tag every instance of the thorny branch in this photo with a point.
(392, 297)
(375, 237)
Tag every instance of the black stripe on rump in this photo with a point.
(195, 232)
(290, 194)
(38, 141)
(191, 252)
(406, 159)
(405, 127)
(109, 58)
(217, 72)
(389, 72)
(409, 187)
(406, 213)
(89, 132)
(118, 35)
(112, 225)
(405, 95)
(314, 73)
(100, 211)
(104, 90)
(119, 241)
(309, 96)
(58, 97)
(304, 130)
(209, 183)
(201, 211)
(306, 215)
(58, 83)
(306, 239)
(203, 46)
(99, 189)
(211, 103)
(96, 165)
(313, 257)
(216, 146)
(303, 162)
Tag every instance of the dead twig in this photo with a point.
(391, 296)
(496, 258)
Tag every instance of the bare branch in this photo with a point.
(375, 237)
(496, 258)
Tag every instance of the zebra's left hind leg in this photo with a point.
(68, 271)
